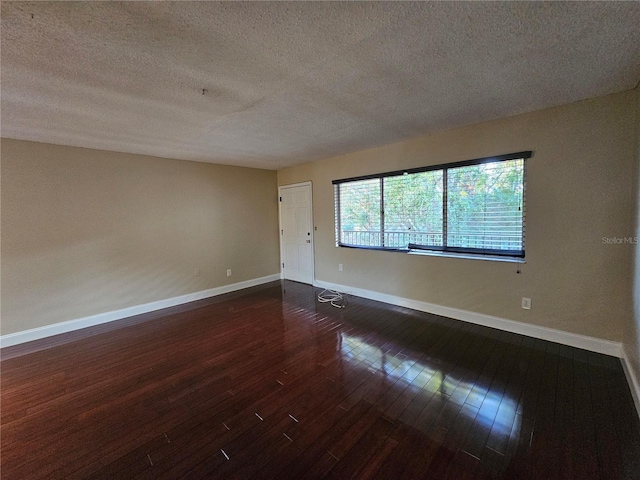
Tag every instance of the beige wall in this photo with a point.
(632, 327)
(580, 188)
(87, 231)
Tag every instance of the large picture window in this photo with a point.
(471, 207)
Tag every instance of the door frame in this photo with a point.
(313, 243)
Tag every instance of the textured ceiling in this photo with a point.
(292, 82)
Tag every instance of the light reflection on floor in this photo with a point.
(433, 381)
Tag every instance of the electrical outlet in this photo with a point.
(196, 272)
(228, 272)
(526, 303)
(339, 267)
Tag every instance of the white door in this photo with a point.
(296, 233)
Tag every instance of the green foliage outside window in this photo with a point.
(467, 207)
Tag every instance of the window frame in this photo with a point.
(444, 249)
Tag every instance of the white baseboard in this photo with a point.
(598, 345)
(585, 342)
(90, 321)
(632, 380)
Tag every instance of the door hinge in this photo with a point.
(281, 232)
(280, 198)
(283, 265)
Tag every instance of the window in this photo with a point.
(471, 207)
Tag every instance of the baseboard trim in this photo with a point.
(632, 380)
(585, 342)
(92, 320)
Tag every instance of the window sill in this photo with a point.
(491, 258)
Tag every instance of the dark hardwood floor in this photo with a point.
(269, 383)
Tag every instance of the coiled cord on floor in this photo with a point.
(335, 298)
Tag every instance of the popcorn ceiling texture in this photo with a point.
(292, 82)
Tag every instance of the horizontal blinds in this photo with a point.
(413, 209)
(360, 213)
(485, 206)
(476, 206)
(410, 171)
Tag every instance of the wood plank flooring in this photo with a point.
(268, 383)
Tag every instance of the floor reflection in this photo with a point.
(433, 381)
